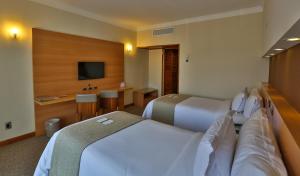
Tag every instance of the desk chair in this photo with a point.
(86, 106)
(109, 100)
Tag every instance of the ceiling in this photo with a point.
(136, 14)
(293, 32)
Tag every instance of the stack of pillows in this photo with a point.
(245, 104)
(216, 149)
(256, 152)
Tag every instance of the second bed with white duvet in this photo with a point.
(194, 113)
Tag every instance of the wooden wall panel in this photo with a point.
(284, 93)
(286, 122)
(55, 58)
(285, 75)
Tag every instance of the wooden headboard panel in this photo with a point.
(286, 124)
(284, 94)
(285, 75)
(55, 58)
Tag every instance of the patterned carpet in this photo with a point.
(20, 158)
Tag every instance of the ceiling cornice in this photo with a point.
(74, 10)
(239, 12)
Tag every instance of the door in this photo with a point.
(170, 71)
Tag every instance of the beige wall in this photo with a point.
(137, 72)
(224, 55)
(155, 69)
(16, 90)
(279, 16)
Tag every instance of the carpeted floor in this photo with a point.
(20, 158)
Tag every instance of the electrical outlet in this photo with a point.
(8, 125)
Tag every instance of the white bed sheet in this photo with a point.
(195, 113)
(145, 149)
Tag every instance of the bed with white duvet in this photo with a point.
(198, 113)
(195, 113)
(145, 149)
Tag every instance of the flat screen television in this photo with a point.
(91, 70)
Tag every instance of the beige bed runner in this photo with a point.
(72, 140)
(164, 107)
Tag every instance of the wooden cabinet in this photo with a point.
(143, 96)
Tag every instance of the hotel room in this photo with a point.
(143, 88)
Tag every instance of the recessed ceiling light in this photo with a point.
(278, 49)
(267, 56)
(272, 54)
(294, 39)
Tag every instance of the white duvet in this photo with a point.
(195, 113)
(147, 148)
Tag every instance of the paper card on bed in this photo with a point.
(102, 120)
(107, 122)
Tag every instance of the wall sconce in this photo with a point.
(14, 33)
(128, 47)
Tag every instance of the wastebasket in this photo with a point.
(51, 126)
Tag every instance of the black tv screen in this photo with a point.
(90, 70)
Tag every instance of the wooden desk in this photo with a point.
(55, 100)
(67, 98)
(143, 96)
(64, 107)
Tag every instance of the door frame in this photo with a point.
(163, 47)
(163, 68)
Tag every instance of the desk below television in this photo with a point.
(50, 100)
(64, 107)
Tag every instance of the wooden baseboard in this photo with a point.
(16, 139)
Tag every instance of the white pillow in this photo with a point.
(253, 103)
(257, 151)
(216, 149)
(260, 113)
(238, 102)
(238, 118)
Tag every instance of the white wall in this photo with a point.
(225, 55)
(155, 69)
(279, 16)
(16, 90)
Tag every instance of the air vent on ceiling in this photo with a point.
(164, 31)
